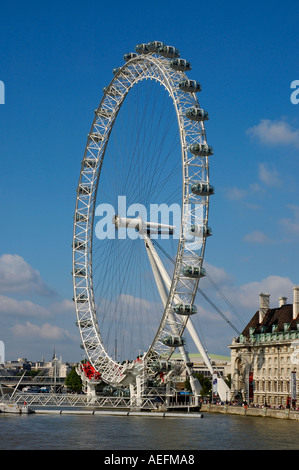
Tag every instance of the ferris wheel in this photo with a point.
(147, 147)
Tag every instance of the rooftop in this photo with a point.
(273, 316)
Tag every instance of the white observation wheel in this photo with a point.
(153, 63)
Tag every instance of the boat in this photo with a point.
(9, 406)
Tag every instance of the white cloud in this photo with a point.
(291, 224)
(45, 331)
(257, 237)
(16, 275)
(25, 308)
(275, 133)
(244, 297)
(28, 309)
(247, 295)
(235, 194)
(269, 176)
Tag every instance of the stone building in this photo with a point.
(265, 357)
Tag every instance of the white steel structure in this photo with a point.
(153, 63)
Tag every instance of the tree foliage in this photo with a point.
(73, 381)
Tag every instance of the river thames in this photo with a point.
(102, 432)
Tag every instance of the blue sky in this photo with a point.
(55, 59)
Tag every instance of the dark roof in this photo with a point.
(274, 316)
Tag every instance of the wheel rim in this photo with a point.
(194, 211)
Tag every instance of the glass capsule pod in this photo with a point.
(161, 366)
(95, 136)
(142, 49)
(111, 91)
(169, 51)
(191, 86)
(121, 392)
(84, 190)
(80, 217)
(80, 272)
(129, 56)
(202, 189)
(174, 341)
(154, 46)
(84, 323)
(81, 298)
(180, 64)
(103, 113)
(185, 309)
(90, 163)
(89, 345)
(79, 245)
(200, 231)
(194, 271)
(197, 114)
(116, 70)
(202, 150)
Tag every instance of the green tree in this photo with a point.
(205, 382)
(73, 381)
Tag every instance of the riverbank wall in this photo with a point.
(265, 412)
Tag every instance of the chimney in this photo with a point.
(282, 301)
(264, 306)
(295, 302)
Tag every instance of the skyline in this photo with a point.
(55, 61)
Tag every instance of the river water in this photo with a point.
(104, 432)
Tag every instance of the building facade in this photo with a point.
(265, 357)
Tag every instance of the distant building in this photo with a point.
(265, 357)
(2, 352)
(220, 364)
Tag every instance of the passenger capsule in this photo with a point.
(180, 64)
(200, 231)
(194, 272)
(190, 86)
(119, 69)
(89, 345)
(81, 298)
(129, 56)
(161, 366)
(84, 190)
(81, 217)
(197, 114)
(90, 163)
(154, 46)
(79, 245)
(111, 91)
(84, 323)
(174, 341)
(142, 49)
(95, 136)
(80, 272)
(104, 113)
(185, 309)
(202, 150)
(202, 189)
(169, 51)
(116, 70)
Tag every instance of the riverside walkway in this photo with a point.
(265, 412)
